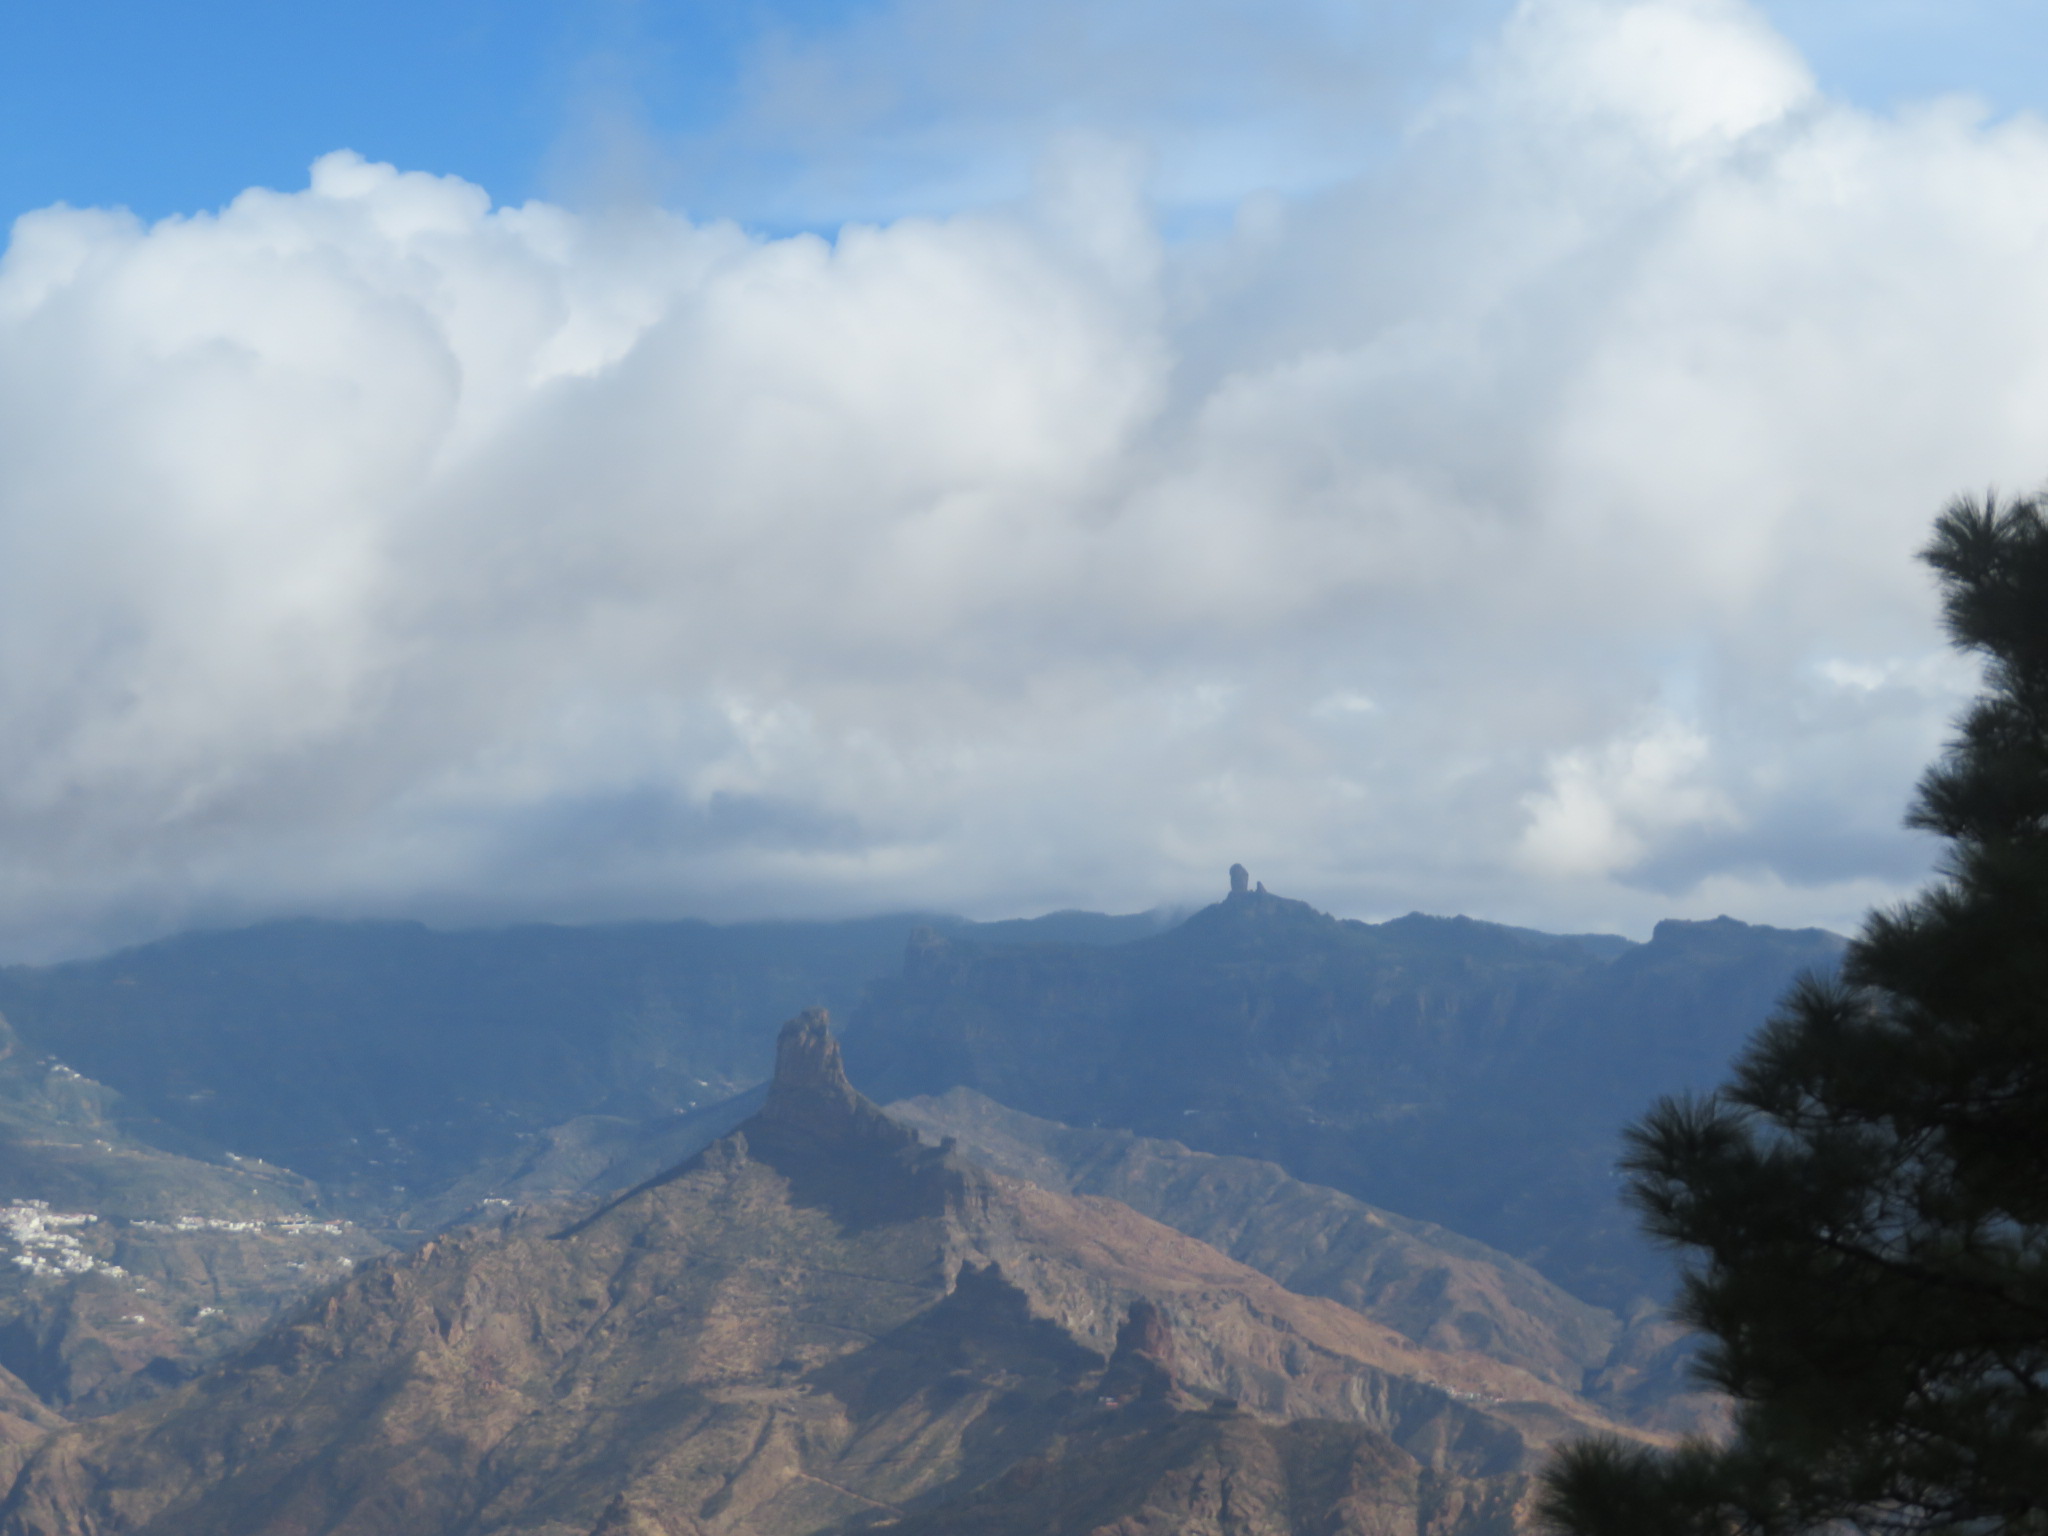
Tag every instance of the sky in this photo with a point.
(570, 462)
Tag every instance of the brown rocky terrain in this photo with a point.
(818, 1324)
(1433, 1286)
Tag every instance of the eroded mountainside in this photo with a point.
(1430, 1284)
(385, 1060)
(817, 1324)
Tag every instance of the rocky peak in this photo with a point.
(1244, 891)
(1251, 911)
(811, 1103)
(810, 1076)
(836, 1146)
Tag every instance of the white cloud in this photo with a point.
(1679, 77)
(1601, 812)
(368, 549)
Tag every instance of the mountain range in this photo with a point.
(819, 1323)
(385, 1060)
(250, 1177)
(1466, 1073)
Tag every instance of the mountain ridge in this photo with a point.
(1459, 1072)
(253, 1052)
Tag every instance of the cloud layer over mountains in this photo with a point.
(1520, 523)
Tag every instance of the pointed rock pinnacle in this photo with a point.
(810, 1079)
(809, 1095)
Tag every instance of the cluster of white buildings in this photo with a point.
(290, 1226)
(48, 1243)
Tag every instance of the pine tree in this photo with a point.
(1864, 1205)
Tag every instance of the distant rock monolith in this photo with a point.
(810, 1078)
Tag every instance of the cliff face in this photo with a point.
(817, 1324)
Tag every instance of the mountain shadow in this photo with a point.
(386, 1060)
(1464, 1073)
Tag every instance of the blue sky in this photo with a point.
(647, 460)
(174, 109)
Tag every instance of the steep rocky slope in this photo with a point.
(817, 1324)
(1431, 1285)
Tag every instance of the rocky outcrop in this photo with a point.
(1141, 1369)
(817, 1324)
(386, 1060)
(1461, 1072)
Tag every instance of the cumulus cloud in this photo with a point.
(1603, 811)
(1521, 524)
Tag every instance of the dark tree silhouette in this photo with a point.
(1865, 1204)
